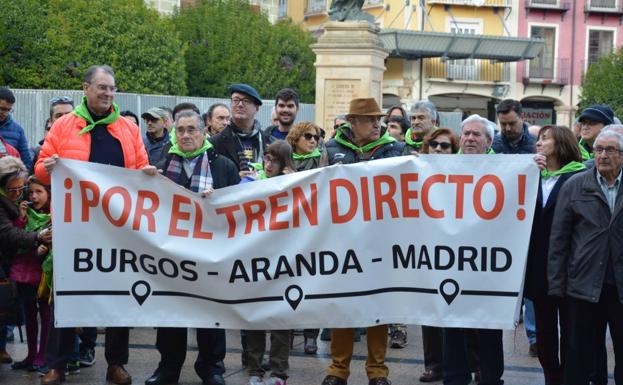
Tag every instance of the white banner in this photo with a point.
(434, 240)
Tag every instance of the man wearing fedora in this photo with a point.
(592, 120)
(361, 138)
(242, 140)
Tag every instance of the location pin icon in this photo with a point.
(449, 289)
(141, 290)
(294, 295)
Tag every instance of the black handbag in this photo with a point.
(10, 304)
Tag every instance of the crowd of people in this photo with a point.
(574, 275)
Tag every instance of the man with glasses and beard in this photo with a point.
(242, 140)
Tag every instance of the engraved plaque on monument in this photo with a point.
(337, 97)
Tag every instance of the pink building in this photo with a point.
(576, 33)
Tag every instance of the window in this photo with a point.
(603, 4)
(316, 6)
(544, 2)
(542, 66)
(464, 69)
(600, 43)
(283, 9)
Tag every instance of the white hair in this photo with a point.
(487, 124)
(611, 133)
(427, 106)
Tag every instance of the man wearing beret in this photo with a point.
(361, 138)
(592, 120)
(242, 140)
(157, 136)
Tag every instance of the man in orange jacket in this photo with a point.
(93, 132)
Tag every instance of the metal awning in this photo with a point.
(421, 44)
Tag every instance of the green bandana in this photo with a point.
(386, 138)
(175, 149)
(417, 144)
(584, 151)
(83, 112)
(36, 221)
(313, 154)
(489, 151)
(259, 167)
(569, 167)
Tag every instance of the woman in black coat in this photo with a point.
(562, 153)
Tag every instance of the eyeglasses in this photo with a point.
(61, 100)
(104, 88)
(245, 102)
(609, 150)
(270, 159)
(443, 145)
(309, 136)
(15, 190)
(369, 119)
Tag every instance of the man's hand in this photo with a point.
(541, 161)
(50, 162)
(150, 170)
(207, 192)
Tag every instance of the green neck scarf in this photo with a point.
(36, 221)
(386, 138)
(259, 168)
(489, 151)
(417, 144)
(175, 149)
(569, 167)
(584, 151)
(313, 154)
(83, 112)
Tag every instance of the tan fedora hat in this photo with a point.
(364, 107)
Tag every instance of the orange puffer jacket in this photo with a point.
(65, 140)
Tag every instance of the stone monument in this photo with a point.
(350, 61)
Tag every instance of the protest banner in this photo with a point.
(434, 240)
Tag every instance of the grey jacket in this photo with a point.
(584, 236)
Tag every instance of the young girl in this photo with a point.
(26, 272)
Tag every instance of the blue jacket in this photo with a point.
(155, 149)
(526, 145)
(14, 134)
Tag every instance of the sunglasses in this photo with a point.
(443, 145)
(309, 136)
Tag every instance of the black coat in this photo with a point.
(227, 144)
(535, 286)
(585, 236)
(12, 238)
(224, 172)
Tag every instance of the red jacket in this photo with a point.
(10, 150)
(65, 140)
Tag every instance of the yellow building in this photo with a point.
(461, 86)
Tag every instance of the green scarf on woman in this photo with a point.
(569, 167)
(313, 154)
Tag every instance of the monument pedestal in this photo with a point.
(350, 61)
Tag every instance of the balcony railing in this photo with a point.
(552, 71)
(475, 3)
(467, 69)
(556, 5)
(604, 6)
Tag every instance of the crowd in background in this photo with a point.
(574, 276)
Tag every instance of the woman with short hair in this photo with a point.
(304, 138)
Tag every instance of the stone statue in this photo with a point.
(342, 10)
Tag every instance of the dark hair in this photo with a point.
(91, 71)
(566, 148)
(213, 107)
(404, 123)
(129, 113)
(60, 100)
(508, 105)
(185, 106)
(34, 180)
(282, 152)
(397, 107)
(7, 95)
(287, 94)
(454, 140)
(47, 125)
